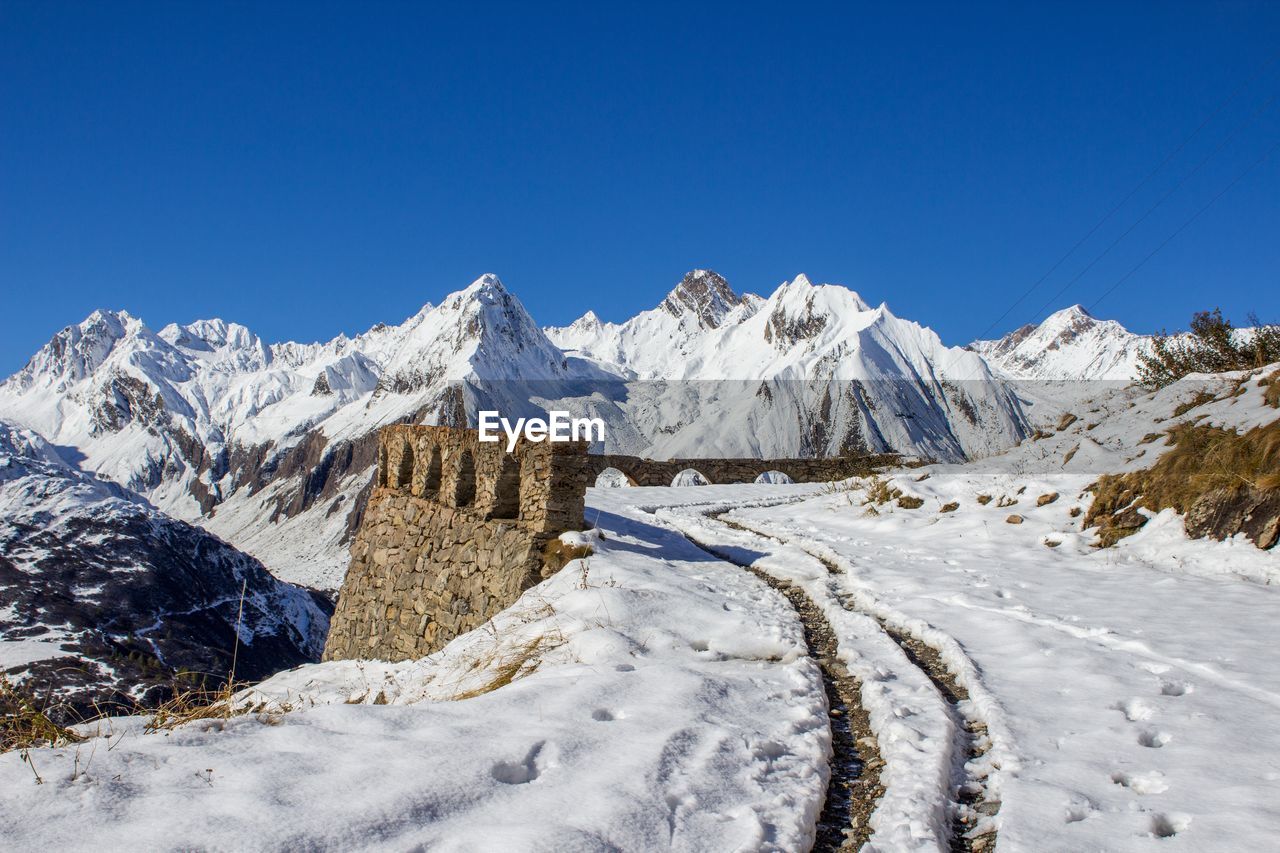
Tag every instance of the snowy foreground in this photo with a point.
(661, 698)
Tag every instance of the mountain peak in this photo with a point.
(1068, 344)
(706, 294)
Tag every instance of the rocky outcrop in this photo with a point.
(1223, 513)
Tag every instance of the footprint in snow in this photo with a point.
(520, 772)
(1176, 688)
(1169, 825)
(1154, 739)
(1079, 809)
(1134, 709)
(1151, 782)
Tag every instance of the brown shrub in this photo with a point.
(950, 507)
(910, 502)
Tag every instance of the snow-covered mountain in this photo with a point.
(652, 344)
(271, 445)
(813, 369)
(105, 600)
(1070, 344)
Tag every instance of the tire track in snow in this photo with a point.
(854, 788)
(972, 799)
(973, 804)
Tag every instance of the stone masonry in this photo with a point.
(454, 531)
(654, 472)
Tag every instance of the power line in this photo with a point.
(1174, 153)
(1235, 131)
(1185, 225)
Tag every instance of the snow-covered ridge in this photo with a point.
(1070, 344)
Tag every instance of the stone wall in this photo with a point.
(456, 529)
(453, 532)
(651, 472)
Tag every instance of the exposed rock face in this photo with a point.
(1226, 512)
(705, 294)
(454, 531)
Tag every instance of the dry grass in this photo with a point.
(880, 491)
(1066, 420)
(514, 664)
(984, 499)
(950, 507)
(910, 502)
(25, 724)
(1272, 383)
(188, 706)
(1200, 460)
(1199, 399)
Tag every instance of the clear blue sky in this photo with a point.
(315, 168)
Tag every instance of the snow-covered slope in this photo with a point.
(103, 599)
(1070, 344)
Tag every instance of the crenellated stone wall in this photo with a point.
(454, 532)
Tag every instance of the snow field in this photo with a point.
(1136, 685)
(647, 697)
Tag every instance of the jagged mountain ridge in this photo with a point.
(271, 446)
(811, 370)
(104, 600)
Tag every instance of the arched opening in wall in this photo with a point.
(404, 471)
(384, 476)
(775, 478)
(506, 492)
(431, 484)
(464, 486)
(690, 477)
(612, 478)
